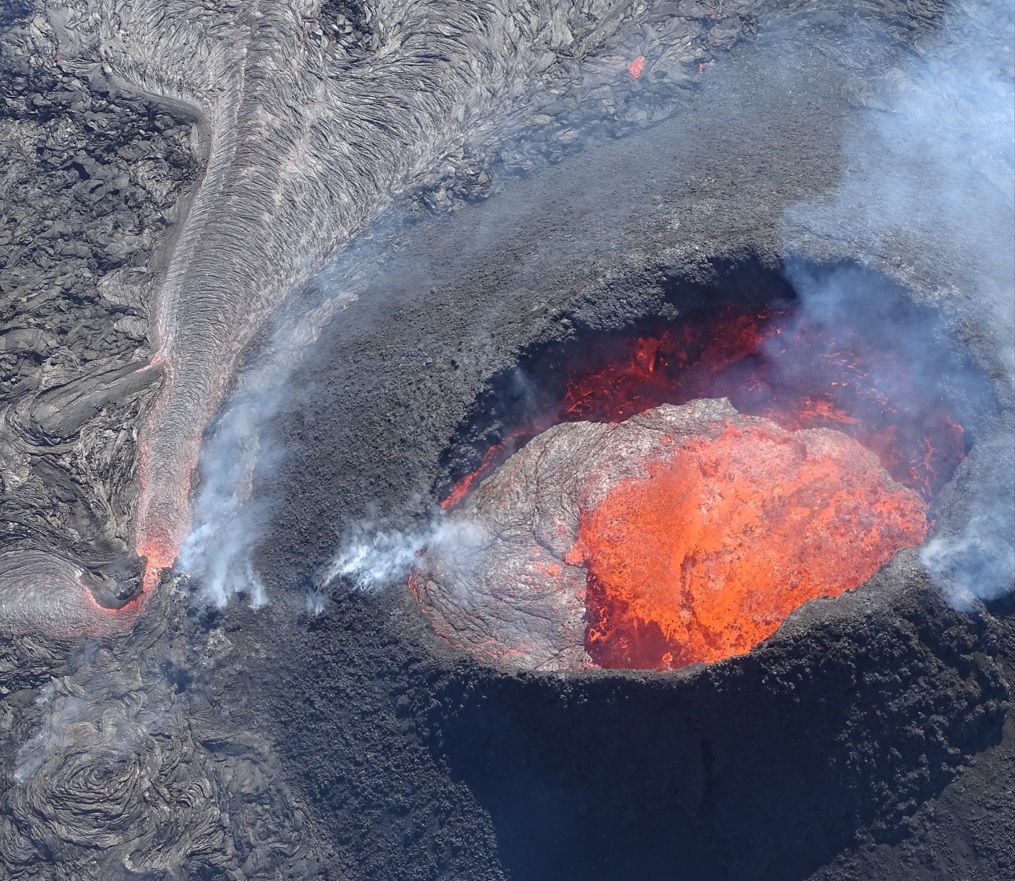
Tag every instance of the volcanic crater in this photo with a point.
(338, 732)
(667, 494)
(758, 765)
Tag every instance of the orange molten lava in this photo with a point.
(706, 556)
(161, 525)
(770, 363)
(157, 558)
(779, 365)
(107, 622)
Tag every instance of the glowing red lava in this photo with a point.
(159, 552)
(107, 622)
(797, 373)
(768, 363)
(706, 555)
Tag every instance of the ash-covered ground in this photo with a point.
(327, 733)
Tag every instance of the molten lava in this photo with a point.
(770, 363)
(706, 550)
(796, 372)
(705, 557)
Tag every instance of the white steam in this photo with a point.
(372, 558)
(228, 521)
(978, 562)
(930, 176)
(227, 527)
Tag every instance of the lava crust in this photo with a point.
(684, 534)
(870, 735)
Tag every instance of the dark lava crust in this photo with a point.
(869, 738)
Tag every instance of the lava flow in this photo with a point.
(714, 534)
(796, 372)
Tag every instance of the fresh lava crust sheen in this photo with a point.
(705, 548)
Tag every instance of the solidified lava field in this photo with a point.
(287, 290)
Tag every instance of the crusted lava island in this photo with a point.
(683, 534)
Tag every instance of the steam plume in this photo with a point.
(929, 174)
(372, 556)
(228, 521)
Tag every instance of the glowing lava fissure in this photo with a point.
(705, 553)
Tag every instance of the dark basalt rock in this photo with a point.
(756, 767)
(116, 583)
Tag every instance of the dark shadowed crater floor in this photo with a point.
(870, 737)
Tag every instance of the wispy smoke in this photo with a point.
(931, 162)
(228, 521)
(978, 562)
(930, 177)
(372, 557)
(227, 525)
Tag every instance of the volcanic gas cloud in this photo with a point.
(663, 534)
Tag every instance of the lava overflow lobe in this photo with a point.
(683, 534)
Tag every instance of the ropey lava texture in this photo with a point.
(266, 134)
(312, 118)
(289, 125)
(308, 139)
(148, 754)
(683, 534)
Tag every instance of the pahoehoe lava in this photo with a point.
(304, 141)
(526, 179)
